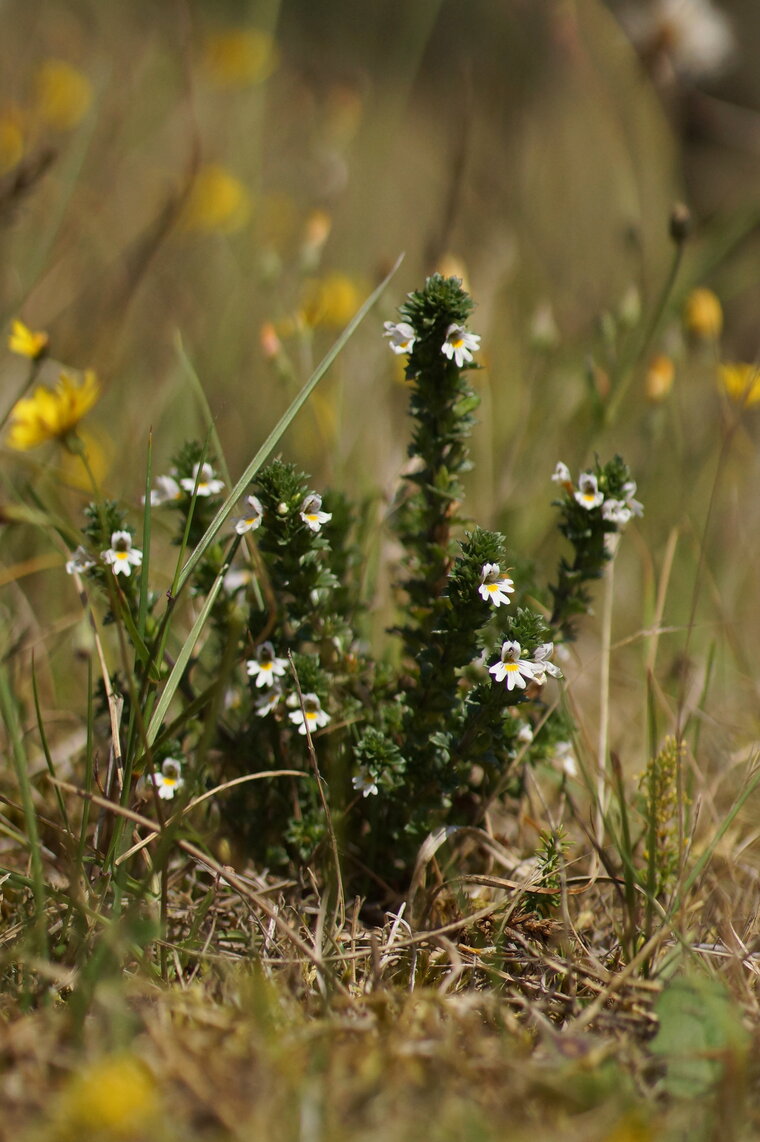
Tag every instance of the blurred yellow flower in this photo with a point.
(26, 343)
(115, 1098)
(659, 378)
(52, 414)
(217, 201)
(238, 57)
(703, 315)
(62, 94)
(11, 140)
(331, 300)
(741, 382)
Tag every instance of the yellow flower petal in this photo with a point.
(26, 343)
(238, 57)
(63, 94)
(51, 414)
(217, 201)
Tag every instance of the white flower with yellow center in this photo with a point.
(268, 701)
(364, 783)
(511, 668)
(252, 516)
(460, 345)
(121, 555)
(266, 667)
(495, 585)
(311, 717)
(400, 336)
(312, 514)
(588, 494)
(170, 780)
(208, 482)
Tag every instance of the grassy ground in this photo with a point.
(195, 201)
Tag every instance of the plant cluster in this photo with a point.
(372, 748)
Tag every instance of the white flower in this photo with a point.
(400, 336)
(694, 36)
(617, 512)
(563, 754)
(265, 667)
(315, 715)
(252, 518)
(629, 491)
(561, 474)
(269, 701)
(525, 733)
(620, 512)
(169, 781)
(312, 514)
(208, 483)
(121, 555)
(459, 345)
(588, 494)
(495, 585)
(236, 579)
(166, 490)
(511, 667)
(541, 664)
(365, 784)
(80, 562)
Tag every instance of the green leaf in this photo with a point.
(701, 1035)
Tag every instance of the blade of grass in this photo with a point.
(45, 748)
(274, 436)
(173, 681)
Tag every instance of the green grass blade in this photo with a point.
(178, 669)
(282, 425)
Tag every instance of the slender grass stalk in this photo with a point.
(605, 655)
(46, 749)
(142, 613)
(9, 711)
(340, 901)
(640, 348)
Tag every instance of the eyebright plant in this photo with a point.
(422, 732)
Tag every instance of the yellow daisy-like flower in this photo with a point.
(741, 382)
(238, 57)
(703, 315)
(52, 414)
(26, 343)
(218, 201)
(63, 94)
